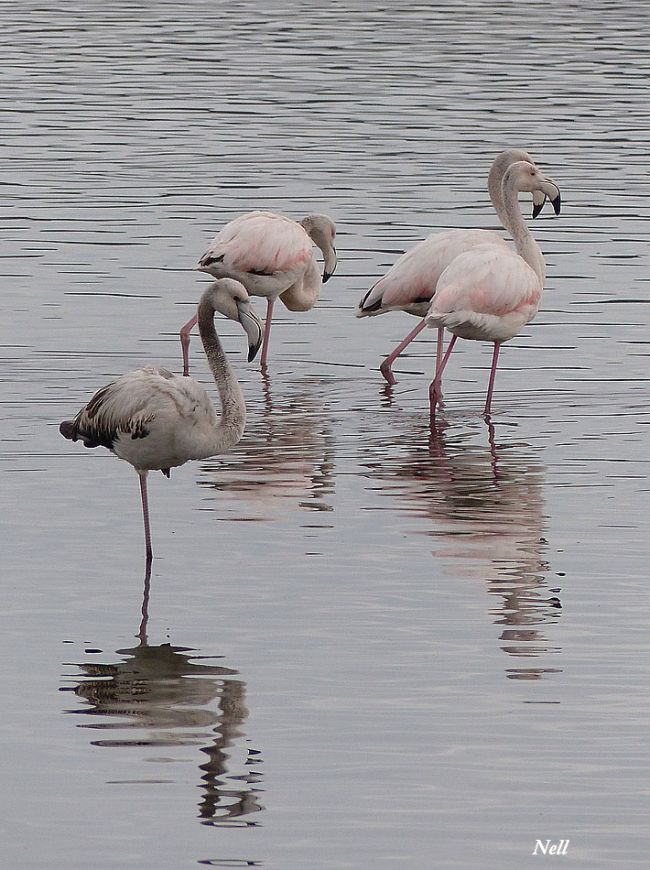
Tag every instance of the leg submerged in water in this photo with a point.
(386, 367)
(493, 371)
(434, 387)
(267, 331)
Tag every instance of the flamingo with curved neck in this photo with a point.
(272, 256)
(490, 293)
(412, 282)
(156, 420)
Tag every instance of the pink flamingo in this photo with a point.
(490, 292)
(271, 255)
(156, 420)
(411, 283)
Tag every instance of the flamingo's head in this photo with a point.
(525, 177)
(322, 231)
(230, 298)
(498, 169)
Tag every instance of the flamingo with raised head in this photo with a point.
(491, 292)
(156, 420)
(272, 255)
(411, 283)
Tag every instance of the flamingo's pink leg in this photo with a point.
(441, 334)
(267, 330)
(142, 633)
(385, 367)
(185, 343)
(434, 387)
(145, 513)
(493, 371)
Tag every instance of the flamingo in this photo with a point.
(490, 292)
(272, 256)
(411, 283)
(156, 420)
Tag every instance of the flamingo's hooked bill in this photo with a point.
(328, 274)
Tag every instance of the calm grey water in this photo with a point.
(368, 644)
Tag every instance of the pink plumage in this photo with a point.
(487, 281)
(262, 242)
(412, 282)
(272, 256)
(490, 292)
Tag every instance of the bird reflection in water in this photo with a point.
(286, 453)
(485, 503)
(165, 691)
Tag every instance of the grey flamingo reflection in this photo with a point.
(485, 504)
(288, 453)
(163, 695)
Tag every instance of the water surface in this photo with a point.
(368, 642)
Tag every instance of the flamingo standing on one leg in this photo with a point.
(491, 292)
(157, 420)
(411, 283)
(271, 255)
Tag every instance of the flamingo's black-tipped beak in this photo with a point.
(252, 326)
(537, 207)
(254, 338)
(330, 265)
(252, 350)
(539, 199)
(548, 188)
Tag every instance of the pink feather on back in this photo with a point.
(488, 280)
(263, 242)
(415, 275)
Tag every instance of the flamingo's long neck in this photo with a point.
(304, 294)
(230, 427)
(495, 181)
(526, 246)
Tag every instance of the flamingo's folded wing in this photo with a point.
(260, 243)
(414, 277)
(129, 404)
(487, 280)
